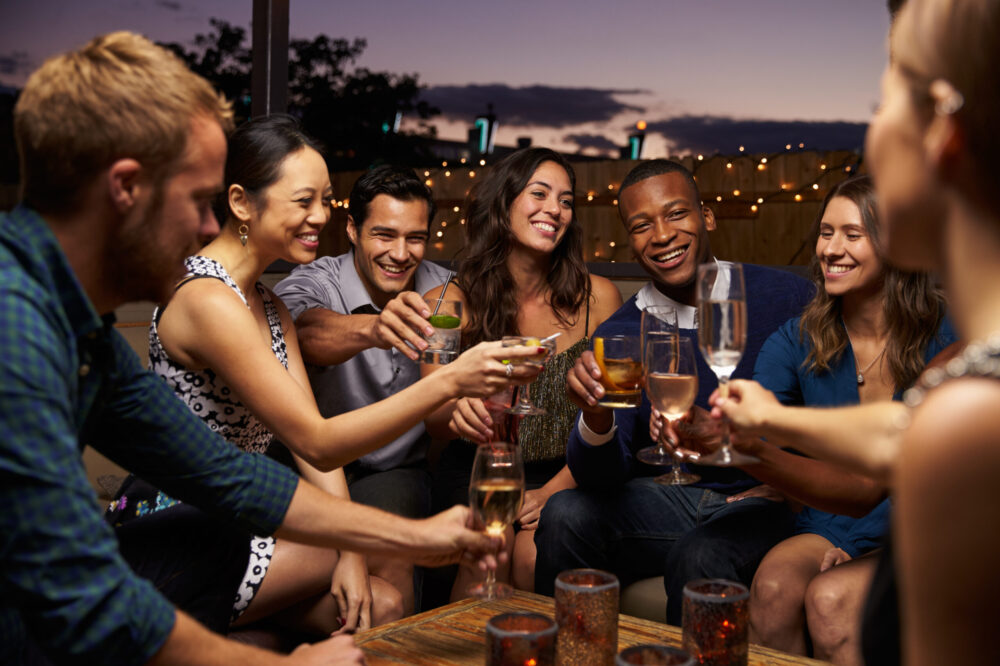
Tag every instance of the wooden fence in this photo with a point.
(764, 204)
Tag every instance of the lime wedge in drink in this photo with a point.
(444, 321)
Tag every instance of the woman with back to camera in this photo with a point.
(865, 337)
(227, 346)
(931, 149)
(523, 273)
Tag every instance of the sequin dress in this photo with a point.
(543, 437)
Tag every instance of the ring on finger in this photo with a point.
(509, 369)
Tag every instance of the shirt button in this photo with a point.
(84, 370)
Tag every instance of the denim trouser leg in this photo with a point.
(729, 542)
(628, 530)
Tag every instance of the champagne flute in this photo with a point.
(722, 336)
(524, 406)
(671, 385)
(496, 493)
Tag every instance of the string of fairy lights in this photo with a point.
(731, 202)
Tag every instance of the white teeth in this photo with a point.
(544, 226)
(311, 238)
(673, 254)
(839, 269)
(392, 269)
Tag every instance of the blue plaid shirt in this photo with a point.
(68, 379)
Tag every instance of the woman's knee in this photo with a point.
(387, 602)
(831, 610)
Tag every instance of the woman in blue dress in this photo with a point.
(865, 337)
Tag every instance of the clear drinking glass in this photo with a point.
(444, 344)
(658, 322)
(496, 493)
(722, 336)
(671, 386)
(524, 406)
(619, 358)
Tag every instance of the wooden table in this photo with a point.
(456, 634)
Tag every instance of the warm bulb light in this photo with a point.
(719, 198)
(760, 200)
(761, 167)
(736, 193)
(729, 165)
(447, 174)
(822, 167)
(788, 146)
(455, 209)
(742, 149)
(440, 234)
(482, 162)
(815, 186)
(753, 208)
(798, 197)
(472, 174)
(701, 157)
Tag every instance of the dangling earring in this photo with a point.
(244, 231)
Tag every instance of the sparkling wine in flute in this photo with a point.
(496, 503)
(722, 334)
(671, 394)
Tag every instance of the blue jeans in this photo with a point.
(643, 529)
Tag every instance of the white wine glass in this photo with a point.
(722, 337)
(496, 494)
(671, 386)
(524, 406)
(658, 321)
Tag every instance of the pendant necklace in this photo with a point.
(861, 372)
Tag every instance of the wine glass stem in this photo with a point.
(678, 459)
(490, 585)
(524, 396)
(724, 392)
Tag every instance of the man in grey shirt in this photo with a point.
(357, 316)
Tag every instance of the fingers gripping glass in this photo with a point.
(524, 405)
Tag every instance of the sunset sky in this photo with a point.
(707, 75)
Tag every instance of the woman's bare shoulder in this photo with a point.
(956, 425)
(606, 297)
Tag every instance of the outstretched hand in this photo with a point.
(748, 406)
(448, 537)
(489, 368)
(403, 324)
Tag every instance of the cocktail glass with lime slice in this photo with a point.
(444, 345)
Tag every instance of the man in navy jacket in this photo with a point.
(619, 519)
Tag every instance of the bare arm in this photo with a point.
(329, 338)
(206, 326)
(863, 438)
(945, 526)
(819, 484)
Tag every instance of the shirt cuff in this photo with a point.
(592, 438)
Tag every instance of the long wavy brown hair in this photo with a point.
(913, 304)
(491, 303)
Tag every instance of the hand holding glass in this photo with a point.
(671, 385)
(496, 493)
(524, 404)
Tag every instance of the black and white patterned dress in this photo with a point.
(208, 397)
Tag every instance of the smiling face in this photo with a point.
(295, 208)
(668, 231)
(543, 211)
(389, 245)
(845, 252)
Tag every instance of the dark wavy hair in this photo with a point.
(400, 183)
(482, 270)
(913, 304)
(255, 152)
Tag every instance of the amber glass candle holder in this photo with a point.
(521, 639)
(715, 622)
(587, 614)
(654, 655)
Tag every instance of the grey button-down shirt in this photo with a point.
(333, 283)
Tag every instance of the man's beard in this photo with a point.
(138, 265)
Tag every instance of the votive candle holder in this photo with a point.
(521, 639)
(587, 614)
(715, 622)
